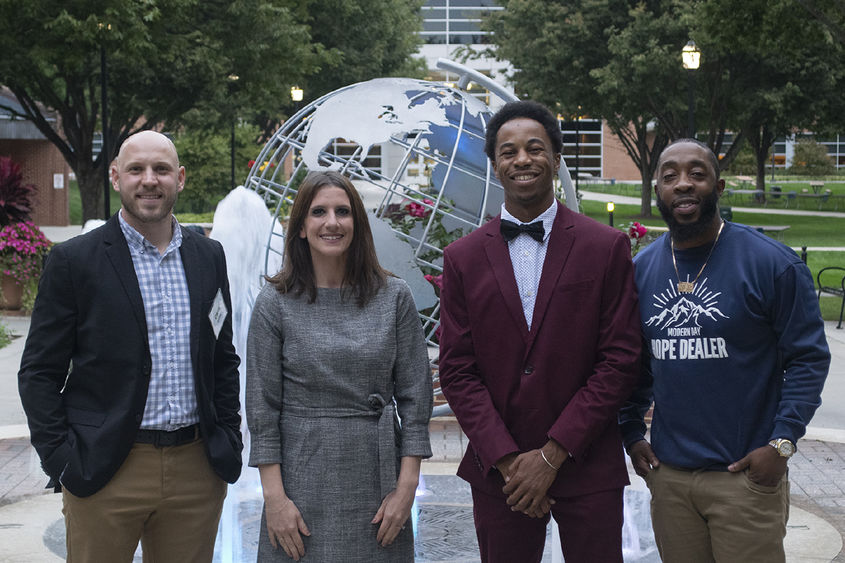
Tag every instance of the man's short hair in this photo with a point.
(714, 160)
(528, 109)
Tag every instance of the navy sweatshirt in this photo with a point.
(738, 362)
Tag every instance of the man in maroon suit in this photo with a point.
(540, 347)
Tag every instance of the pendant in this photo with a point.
(686, 287)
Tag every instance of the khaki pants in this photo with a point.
(169, 498)
(707, 516)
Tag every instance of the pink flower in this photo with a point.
(637, 231)
(22, 249)
(417, 209)
(436, 281)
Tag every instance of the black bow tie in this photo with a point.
(511, 230)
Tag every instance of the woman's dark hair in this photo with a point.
(524, 108)
(364, 275)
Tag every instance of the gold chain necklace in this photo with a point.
(687, 286)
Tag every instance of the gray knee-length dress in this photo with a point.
(320, 388)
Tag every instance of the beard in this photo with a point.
(143, 215)
(690, 231)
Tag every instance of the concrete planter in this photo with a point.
(11, 297)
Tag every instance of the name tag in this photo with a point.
(218, 313)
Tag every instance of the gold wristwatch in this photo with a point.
(784, 447)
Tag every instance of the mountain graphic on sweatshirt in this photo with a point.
(685, 311)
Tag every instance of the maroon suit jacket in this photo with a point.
(510, 388)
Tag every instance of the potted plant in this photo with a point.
(22, 244)
(22, 250)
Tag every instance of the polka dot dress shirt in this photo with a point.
(527, 257)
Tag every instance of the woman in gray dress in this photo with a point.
(335, 349)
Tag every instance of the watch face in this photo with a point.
(786, 448)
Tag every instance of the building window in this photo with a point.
(582, 138)
(456, 22)
(352, 151)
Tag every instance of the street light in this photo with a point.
(232, 79)
(104, 98)
(296, 93)
(691, 57)
(610, 208)
(577, 149)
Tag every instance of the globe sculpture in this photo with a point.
(415, 151)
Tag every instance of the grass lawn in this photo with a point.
(836, 185)
(803, 231)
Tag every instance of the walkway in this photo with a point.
(31, 528)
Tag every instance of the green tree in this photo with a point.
(766, 68)
(785, 69)
(206, 156)
(640, 84)
(164, 59)
(831, 13)
(367, 38)
(374, 38)
(616, 59)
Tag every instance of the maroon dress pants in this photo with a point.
(590, 529)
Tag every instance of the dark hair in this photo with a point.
(714, 160)
(364, 275)
(524, 108)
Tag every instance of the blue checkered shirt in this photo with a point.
(171, 399)
(527, 257)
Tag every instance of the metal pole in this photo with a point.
(232, 146)
(610, 218)
(577, 149)
(691, 104)
(773, 161)
(104, 150)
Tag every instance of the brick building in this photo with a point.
(41, 163)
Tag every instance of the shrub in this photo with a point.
(811, 159)
(16, 198)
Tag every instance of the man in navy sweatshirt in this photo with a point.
(735, 360)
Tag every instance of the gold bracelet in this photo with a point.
(547, 461)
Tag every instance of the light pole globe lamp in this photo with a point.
(691, 55)
(296, 93)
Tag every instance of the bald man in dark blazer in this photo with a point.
(129, 378)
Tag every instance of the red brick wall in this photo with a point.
(39, 160)
(615, 162)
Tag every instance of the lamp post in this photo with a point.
(232, 79)
(773, 161)
(296, 94)
(577, 149)
(610, 208)
(691, 56)
(104, 98)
